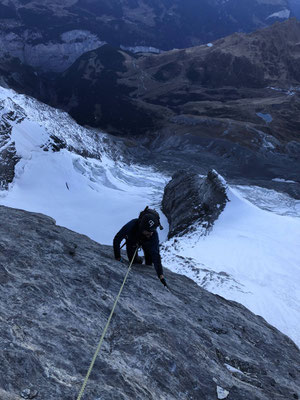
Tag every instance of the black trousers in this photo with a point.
(131, 247)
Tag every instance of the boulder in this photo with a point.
(8, 154)
(191, 201)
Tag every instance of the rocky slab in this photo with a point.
(57, 289)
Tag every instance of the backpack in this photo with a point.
(150, 212)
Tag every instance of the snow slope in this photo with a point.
(94, 195)
(252, 255)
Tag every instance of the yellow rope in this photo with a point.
(104, 332)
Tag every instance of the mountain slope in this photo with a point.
(76, 175)
(50, 35)
(56, 295)
(233, 104)
(211, 81)
(87, 185)
(237, 100)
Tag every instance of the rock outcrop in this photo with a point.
(8, 154)
(57, 289)
(190, 200)
(44, 54)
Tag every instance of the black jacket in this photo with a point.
(134, 238)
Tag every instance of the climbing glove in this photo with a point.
(163, 281)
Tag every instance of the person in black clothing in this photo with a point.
(141, 232)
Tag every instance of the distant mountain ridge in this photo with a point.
(50, 35)
(241, 92)
(127, 94)
(232, 103)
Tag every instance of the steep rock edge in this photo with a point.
(57, 288)
(190, 199)
(8, 154)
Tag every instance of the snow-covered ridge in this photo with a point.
(289, 92)
(283, 180)
(84, 184)
(270, 200)
(283, 14)
(57, 123)
(142, 49)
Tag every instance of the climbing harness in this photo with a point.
(105, 329)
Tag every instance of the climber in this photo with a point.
(141, 232)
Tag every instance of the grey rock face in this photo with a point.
(57, 289)
(190, 199)
(8, 155)
(31, 48)
(293, 149)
